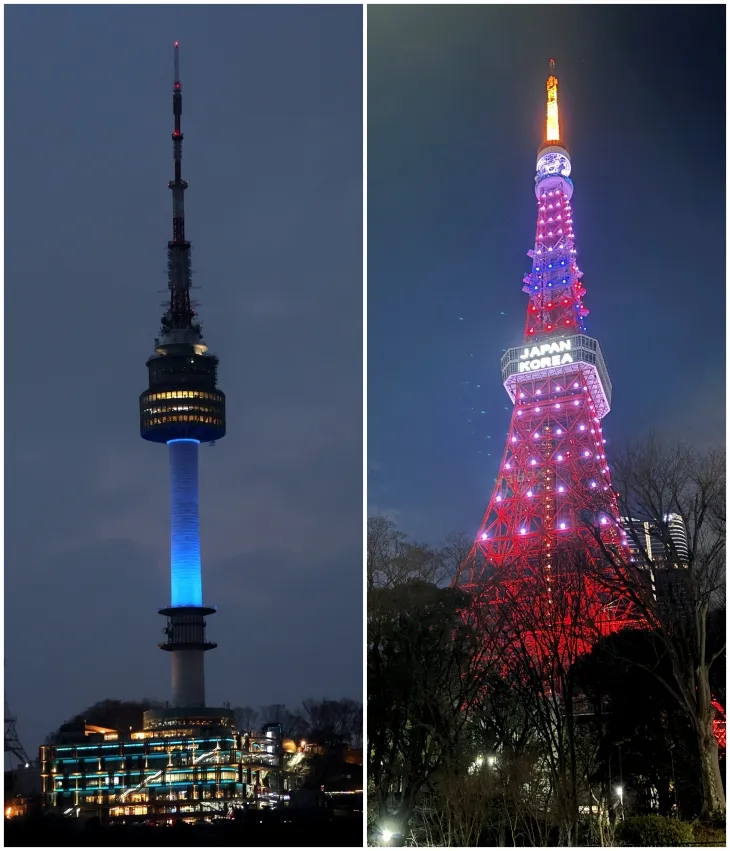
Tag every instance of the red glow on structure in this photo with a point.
(718, 725)
(553, 494)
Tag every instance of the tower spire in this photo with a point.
(179, 316)
(552, 124)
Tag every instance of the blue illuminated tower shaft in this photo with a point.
(186, 616)
(186, 587)
(186, 629)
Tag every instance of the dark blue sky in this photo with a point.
(455, 116)
(272, 117)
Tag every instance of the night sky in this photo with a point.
(456, 105)
(272, 118)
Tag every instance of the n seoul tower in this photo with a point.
(182, 408)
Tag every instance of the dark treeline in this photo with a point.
(276, 829)
(476, 739)
(325, 722)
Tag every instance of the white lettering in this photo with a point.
(544, 363)
(545, 355)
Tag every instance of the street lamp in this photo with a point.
(387, 836)
(620, 793)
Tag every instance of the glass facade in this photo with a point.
(166, 773)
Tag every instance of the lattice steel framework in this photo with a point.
(13, 746)
(553, 491)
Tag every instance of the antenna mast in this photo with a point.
(552, 128)
(179, 316)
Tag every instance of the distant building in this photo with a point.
(656, 542)
(174, 768)
(22, 790)
(664, 551)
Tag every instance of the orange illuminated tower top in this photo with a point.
(552, 126)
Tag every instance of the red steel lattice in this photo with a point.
(553, 491)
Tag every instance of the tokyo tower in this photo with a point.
(553, 497)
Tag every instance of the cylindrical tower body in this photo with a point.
(188, 678)
(186, 587)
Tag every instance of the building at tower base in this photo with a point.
(179, 767)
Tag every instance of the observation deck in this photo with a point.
(182, 400)
(559, 356)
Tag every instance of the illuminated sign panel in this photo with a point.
(556, 357)
(548, 354)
